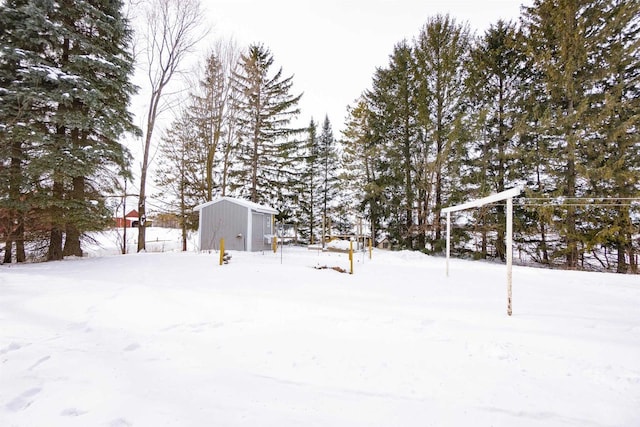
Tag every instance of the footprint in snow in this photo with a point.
(42, 360)
(22, 402)
(72, 412)
(120, 422)
(132, 347)
(11, 347)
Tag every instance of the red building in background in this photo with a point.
(130, 220)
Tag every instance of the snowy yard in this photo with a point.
(174, 339)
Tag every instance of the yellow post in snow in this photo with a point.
(370, 247)
(221, 251)
(351, 257)
(274, 239)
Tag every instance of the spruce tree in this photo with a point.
(77, 61)
(264, 107)
(24, 107)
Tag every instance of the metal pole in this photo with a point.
(281, 241)
(124, 219)
(448, 240)
(509, 249)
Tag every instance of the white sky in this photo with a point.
(333, 47)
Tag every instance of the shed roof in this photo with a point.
(247, 204)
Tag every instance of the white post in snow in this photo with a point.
(507, 195)
(509, 249)
(448, 239)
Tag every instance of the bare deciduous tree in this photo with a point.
(173, 30)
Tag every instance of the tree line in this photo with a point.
(549, 102)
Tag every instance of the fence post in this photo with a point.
(350, 257)
(221, 250)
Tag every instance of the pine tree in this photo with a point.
(179, 173)
(327, 160)
(212, 114)
(613, 153)
(562, 37)
(441, 51)
(361, 165)
(394, 102)
(264, 107)
(308, 189)
(494, 84)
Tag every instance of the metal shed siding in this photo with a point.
(224, 219)
(261, 226)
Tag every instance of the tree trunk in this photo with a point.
(56, 235)
(622, 266)
(502, 148)
(56, 212)
(543, 242)
(72, 246)
(8, 251)
(19, 239)
(571, 234)
(254, 171)
(623, 244)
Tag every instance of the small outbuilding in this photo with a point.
(130, 220)
(244, 225)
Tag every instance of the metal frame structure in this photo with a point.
(507, 195)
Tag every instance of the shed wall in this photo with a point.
(223, 220)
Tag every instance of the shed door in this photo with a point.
(258, 231)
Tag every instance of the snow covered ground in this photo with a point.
(174, 339)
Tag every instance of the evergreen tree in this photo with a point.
(563, 39)
(264, 108)
(327, 160)
(612, 157)
(212, 114)
(441, 51)
(361, 165)
(494, 84)
(394, 102)
(80, 65)
(24, 107)
(179, 173)
(309, 188)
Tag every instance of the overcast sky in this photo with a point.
(333, 47)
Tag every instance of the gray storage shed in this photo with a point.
(244, 225)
